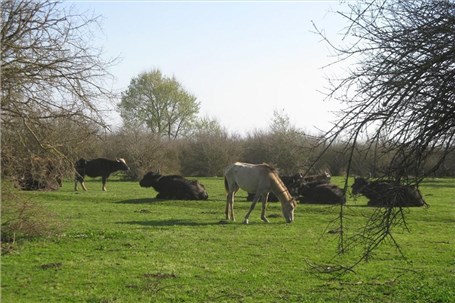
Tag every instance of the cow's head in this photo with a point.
(200, 190)
(359, 185)
(122, 164)
(149, 179)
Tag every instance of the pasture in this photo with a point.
(125, 246)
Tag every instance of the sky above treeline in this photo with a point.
(243, 60)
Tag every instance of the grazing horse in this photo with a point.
(260, 179)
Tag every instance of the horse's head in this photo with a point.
(288, 210)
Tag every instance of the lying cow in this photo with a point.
(174, 187)
(322, 194)
(99, 167)
(323, 178)
(384, 194)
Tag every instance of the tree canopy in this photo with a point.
(159, 104)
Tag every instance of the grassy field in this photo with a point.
(125, 246)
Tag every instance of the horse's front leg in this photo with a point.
(264, 205)
(253, 204)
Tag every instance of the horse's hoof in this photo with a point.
(265, 220)
(245, 221)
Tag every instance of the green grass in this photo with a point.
(125, 246)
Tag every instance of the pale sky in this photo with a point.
(241, 59)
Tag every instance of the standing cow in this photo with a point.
(99, 167)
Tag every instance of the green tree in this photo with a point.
(159, 104)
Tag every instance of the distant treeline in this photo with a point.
(205, 153)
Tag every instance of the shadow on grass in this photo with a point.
(154, 200)
(140, 201)
(157, 223)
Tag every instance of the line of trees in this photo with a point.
(210, 148)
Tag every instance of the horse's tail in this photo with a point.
(226, 185)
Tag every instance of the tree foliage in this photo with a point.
(159, 104)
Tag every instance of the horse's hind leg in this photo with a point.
(230, 203)
(230, 207)
(264, 205)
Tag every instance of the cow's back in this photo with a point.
(178, 187)
(98, 167)
(323, 194)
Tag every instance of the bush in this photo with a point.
(208, 154)
(23, 218)
(143, 152)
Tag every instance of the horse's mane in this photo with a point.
(276, 177)
(270, 167)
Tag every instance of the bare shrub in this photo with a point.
(143, 151)
(208, 154)
(23, 218)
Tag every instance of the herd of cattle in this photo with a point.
(306, 189)
(315, 189)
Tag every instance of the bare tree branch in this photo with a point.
(399, 98)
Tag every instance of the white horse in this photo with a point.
(260, 179)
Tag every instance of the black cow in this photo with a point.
(322, 194)
(323, 178)
(99, 167)
(384, 194)
(174, 187)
